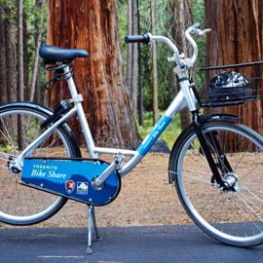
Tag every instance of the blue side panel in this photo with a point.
(71, 178)
(158, 129)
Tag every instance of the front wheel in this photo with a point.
(20, 124)
(231, 214)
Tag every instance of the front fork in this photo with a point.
(206, 150)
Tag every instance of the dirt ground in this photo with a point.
(146, 198)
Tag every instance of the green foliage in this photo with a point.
(7, 148)
(36, 16)
(9, 6)
(36, 19)
(166, 79)
(123, 22)
(198, 10)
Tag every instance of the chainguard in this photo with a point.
(72, 178)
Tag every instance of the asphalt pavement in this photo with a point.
(184, 244)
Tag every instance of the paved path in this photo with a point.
(133, 244)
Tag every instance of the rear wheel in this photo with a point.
(232, 214)
(19, 126)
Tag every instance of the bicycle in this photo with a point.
(216, 163)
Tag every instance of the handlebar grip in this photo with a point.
(145, 38)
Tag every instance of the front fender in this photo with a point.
(219, 117)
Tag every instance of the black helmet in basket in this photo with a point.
(229, 85)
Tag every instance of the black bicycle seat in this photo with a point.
(52, 54)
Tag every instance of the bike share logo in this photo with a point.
(70, 186)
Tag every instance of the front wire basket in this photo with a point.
(230, 84)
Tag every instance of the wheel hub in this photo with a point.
(14, 165)
(231, 182)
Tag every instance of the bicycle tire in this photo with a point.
(19, 204)
(232, 215)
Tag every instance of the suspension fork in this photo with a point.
(206, 150)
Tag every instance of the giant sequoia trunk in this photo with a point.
(236, 37)
(93, 25)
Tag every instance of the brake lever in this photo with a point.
(203, 32)
(200, 32)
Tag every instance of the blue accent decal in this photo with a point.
(152, 137)
(71, 178)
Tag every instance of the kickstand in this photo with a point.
(91, 217)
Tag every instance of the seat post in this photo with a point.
(77, 99)
(70, 81)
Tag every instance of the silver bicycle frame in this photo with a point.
(184, 98)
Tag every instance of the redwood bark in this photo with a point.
(93, 25)
(236, 37)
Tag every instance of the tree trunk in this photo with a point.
(140, 86)
(11, 55)
(8, 57)
(236, 37)
(38, 35)
(20, 52)
(181, 20)
(132, 61)
(93, 25)
(21, 79)
(3, 82)
(154, 59)
(26, 57)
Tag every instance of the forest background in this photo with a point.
(145, 82)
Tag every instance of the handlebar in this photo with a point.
(145, 38)
(148, 38)
(195, 28)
